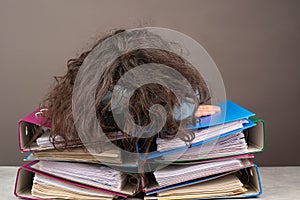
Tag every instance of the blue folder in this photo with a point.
(229, 112)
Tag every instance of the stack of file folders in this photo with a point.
(216, 164)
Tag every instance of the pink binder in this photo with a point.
(25, 176)
(25, 128)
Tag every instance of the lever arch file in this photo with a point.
(249, 177)
(25, 180)
(254, 137)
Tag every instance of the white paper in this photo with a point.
(200, 135)
(94, 175)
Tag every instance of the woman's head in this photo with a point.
(59, 101)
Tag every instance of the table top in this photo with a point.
(278, 182)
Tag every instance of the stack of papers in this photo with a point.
(200, 135)
(78, 154)
(46, 142)
(229, 185)
(226, 146)
(174, 174)
(47, 188)
(89, 174)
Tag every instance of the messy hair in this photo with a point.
(59, 99)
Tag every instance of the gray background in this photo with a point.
(255, 44)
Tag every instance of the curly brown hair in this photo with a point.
(59, 99)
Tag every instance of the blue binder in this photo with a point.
(229, 112)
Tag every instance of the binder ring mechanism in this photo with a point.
(40, 112)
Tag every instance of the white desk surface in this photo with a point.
(279, 183)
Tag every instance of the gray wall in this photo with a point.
(255, 44)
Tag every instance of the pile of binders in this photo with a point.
(216, 164)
